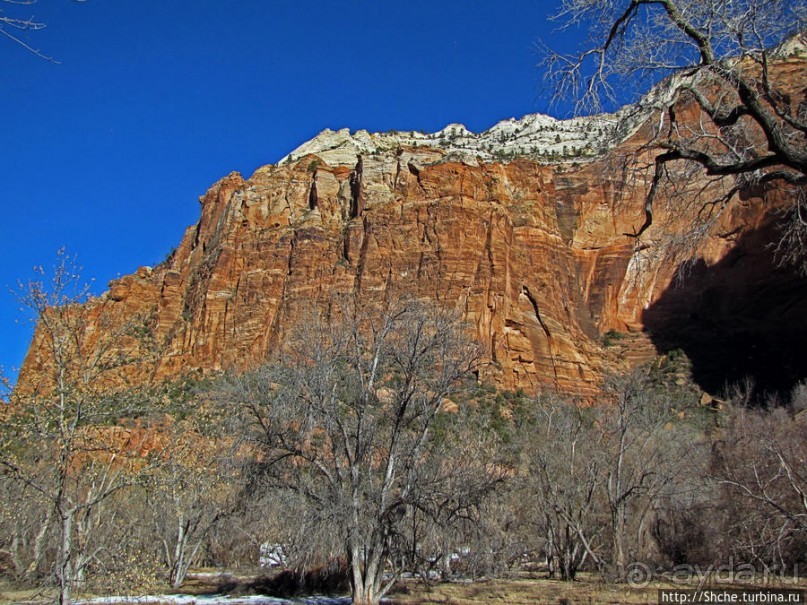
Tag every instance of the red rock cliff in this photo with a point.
(533, 254)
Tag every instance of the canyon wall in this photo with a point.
(533, 250)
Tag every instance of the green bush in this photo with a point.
(611, 337)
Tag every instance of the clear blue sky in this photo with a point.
(152, 101)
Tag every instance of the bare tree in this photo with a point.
(760, 462)
(193, 490)
(730, 61)
(13, 27)
(566, 477)
(445, 521)
(58, 438)
(646, 450)
(601, 474)
(350, 419)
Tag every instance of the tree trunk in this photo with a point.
(445, 566)
(39, 544)
(365, 586)
(14, 555)
(367, 596)
(568, 569)
(619, 545)
(551, 558)
(65, 565)
(177, 576)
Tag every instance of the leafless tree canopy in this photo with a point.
(726, 56)
(760, 463)
(193, 491)
(601, 476)
(58, 444)
(351, 420)
(566, 476)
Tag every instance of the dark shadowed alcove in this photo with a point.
(743, 317)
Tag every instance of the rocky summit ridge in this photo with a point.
(536, 136)
(521, 229)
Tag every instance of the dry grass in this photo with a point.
(589, 590)
(524, 590)
(11, 595)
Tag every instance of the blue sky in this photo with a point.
(107, 151)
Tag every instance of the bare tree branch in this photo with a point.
(729, 57)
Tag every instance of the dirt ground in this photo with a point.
(532, 589)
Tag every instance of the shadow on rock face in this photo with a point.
(743, 317)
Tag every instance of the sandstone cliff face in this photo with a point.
(533, 255)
